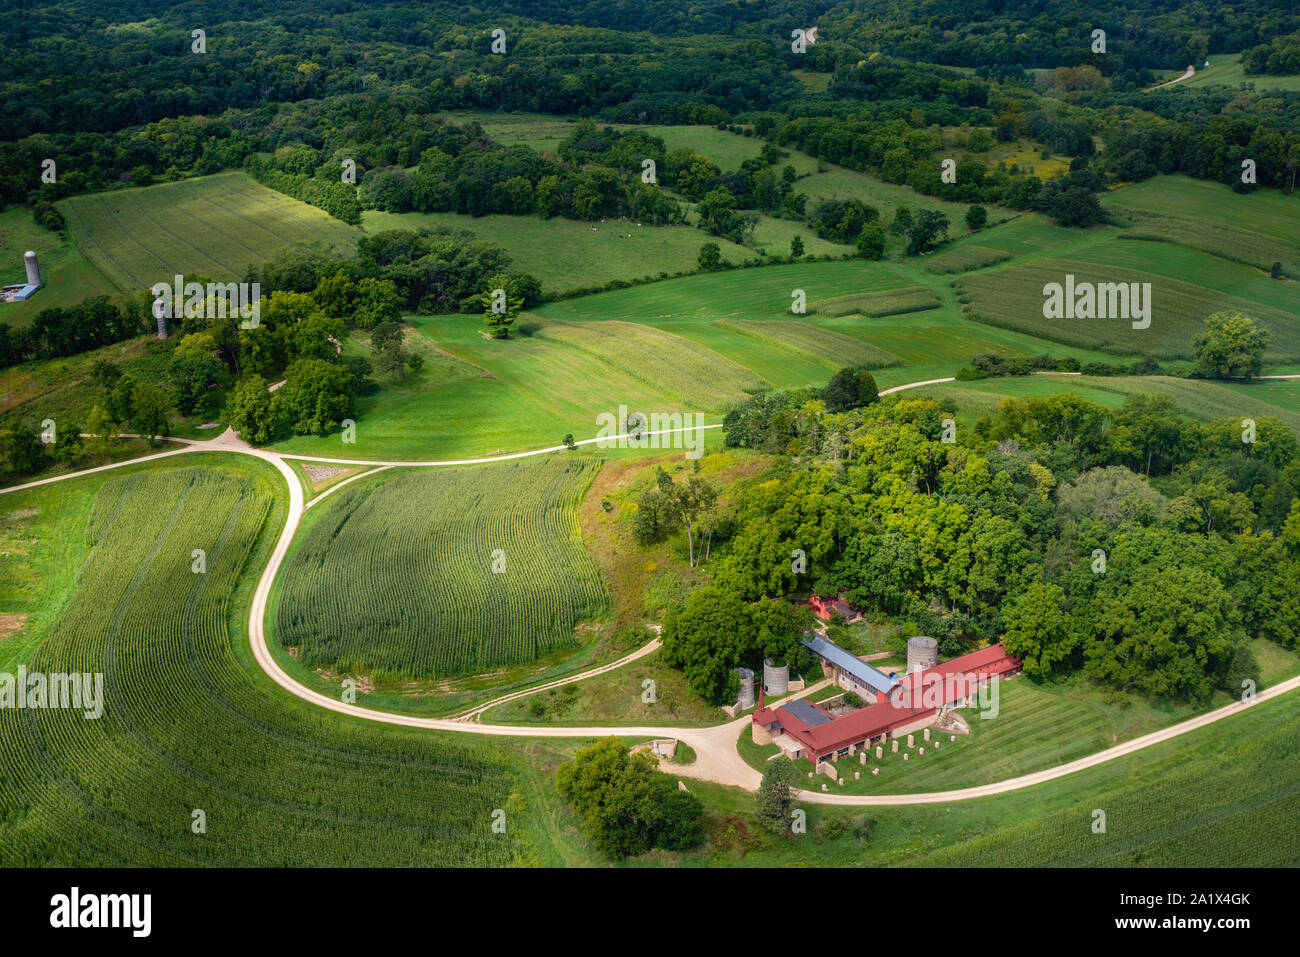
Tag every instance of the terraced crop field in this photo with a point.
(832, 349)
(184, 725)
(401, 576)
(213, 226)
(891, 302)
(674, 366)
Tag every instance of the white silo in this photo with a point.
(33, 268)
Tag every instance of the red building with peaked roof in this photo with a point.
(803, 730)
(824, 608)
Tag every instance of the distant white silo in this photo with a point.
(776, 678)
(746, 687)
(33, 268)
(922, 653)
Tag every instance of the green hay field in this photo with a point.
(566, 254)
(214, 226)
(66, 277)
(1257, 228)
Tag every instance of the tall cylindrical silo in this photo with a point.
(33, 268)
(746, 687)
(776, 678)
(922, 653)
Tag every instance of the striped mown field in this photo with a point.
(213, 226)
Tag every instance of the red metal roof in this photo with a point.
(869, 722)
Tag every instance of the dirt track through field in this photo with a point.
(717, 758)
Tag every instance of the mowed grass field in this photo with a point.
(1186, 286)
(1197, 398)
(188, 721)
(478, 396)
(1257, 228)
(566, 254)
(444, 573)
(1225, 69)
(214, 226)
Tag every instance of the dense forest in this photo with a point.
(1063, 528)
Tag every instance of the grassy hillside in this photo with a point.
(1225, 69)
(566, 254)
(1257, 228)
(215, 226)
(1013, 297)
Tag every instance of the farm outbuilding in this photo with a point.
(824, 608)
(776, 678)
(848, 671)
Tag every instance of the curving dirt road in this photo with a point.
(717, 759)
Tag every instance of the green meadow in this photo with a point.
(567, 254)
(1225, 69)
(1257, 228)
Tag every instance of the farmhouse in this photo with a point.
(824, 608)
(803, 730)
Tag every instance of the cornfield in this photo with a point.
(445, 572)
(185, 728)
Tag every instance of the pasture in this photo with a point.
(566, 254)
(1257, 228)
(443, 573)
(187, 721)
(214, 226)
(468, 402)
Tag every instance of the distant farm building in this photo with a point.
(802, 729)
(21, 291)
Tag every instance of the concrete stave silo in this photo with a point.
(776, 678)
(746, 698)
(922, 653)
